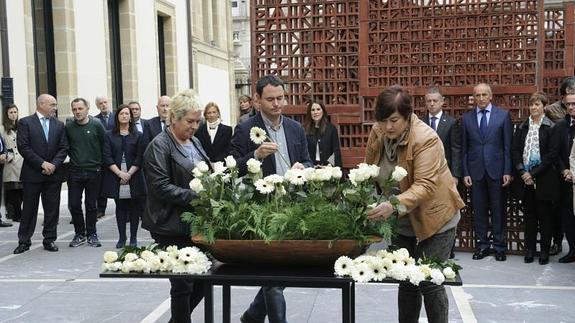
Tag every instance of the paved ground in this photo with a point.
(39, 286)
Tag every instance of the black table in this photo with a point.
(227, 275)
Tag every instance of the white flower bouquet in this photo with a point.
(189, 260)
(308, 204)
(397, 265)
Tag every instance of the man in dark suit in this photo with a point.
(486, 147)
(159, 123)
(565, 132)
(43, 144)
(289, 144)
(137, 116)
(106, 117)
(2, 161)
(448, 131)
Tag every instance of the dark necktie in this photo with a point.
(483, 123)
(433, 125)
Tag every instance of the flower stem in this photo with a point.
(282, 156)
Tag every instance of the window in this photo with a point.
(115, 51)
(44, 58)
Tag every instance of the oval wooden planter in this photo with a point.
(283, 252)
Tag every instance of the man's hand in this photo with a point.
(467, 181)
(455, 180)
(265, 149)
(48, 168)
(2, 158)
(507, 180)
(382, 211)
(567, 175)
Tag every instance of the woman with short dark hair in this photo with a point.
(13, 187)
(534, 151)
(428, 193)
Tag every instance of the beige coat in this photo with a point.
(428, 191)
(14, 160)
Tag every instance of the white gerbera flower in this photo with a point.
(230, 161)
(398, 173)
(110, 256)
(295, 176)
(398, 272)
(172, 251)
(437, 276)
(362, 273)
(449, 273)
(343, 266)
(196, 185)
(274, 179)
(258, 135)
(379, 272)
(264, 187)
(254, 165)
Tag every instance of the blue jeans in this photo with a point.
(87, 182)
(269, 301)
(434, 296)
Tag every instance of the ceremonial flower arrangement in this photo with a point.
(398, 265)
(189, 260)
(306, 204)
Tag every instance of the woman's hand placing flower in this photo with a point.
(382, 211)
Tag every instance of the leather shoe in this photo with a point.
(480, 254)
(51, 247)
(500, 256)
(21, 248)
(544, 258)
(5, 225)
(529, 255)
(555, 249)
(570, 257)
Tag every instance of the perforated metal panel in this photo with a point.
(344, 53)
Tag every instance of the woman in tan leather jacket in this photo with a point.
(428, 192)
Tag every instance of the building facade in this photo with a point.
(124, 49)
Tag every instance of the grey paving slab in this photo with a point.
(39, 286)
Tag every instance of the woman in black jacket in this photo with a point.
(123, 179)
(168, 163)
(322, 138)
(534, 152)
(214, 135)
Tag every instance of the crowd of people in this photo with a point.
(145, 166)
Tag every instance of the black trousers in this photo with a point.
(13, 202)
(185, 294)
(50, 194)
(537, 213)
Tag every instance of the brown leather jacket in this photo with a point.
(428, 191)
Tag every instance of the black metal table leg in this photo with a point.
(226, 303)
(352, 300)
(345, 306)
(208, 302)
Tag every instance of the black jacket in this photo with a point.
(328, 145)
(220, 148)
(449, 132)
(545, 174)
(112, 155)
(168, 173)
